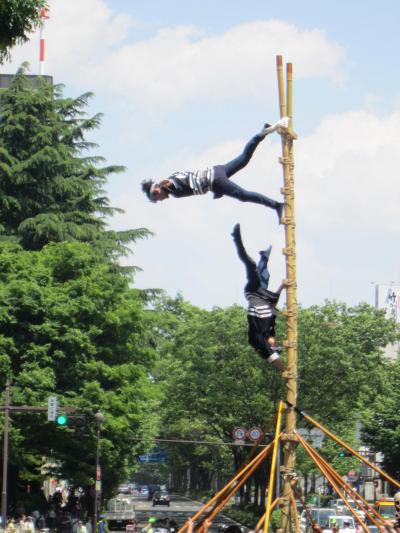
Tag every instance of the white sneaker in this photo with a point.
(282, 123)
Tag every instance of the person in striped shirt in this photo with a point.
(217, 178)
(261, 312)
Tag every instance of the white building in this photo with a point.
(387, 297)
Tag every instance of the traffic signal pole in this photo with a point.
(7, 408)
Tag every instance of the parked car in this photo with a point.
(161, 498)
(124, 489)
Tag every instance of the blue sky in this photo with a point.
(184, 84)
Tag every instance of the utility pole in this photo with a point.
(5, 455)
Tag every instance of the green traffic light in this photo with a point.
(62, 420)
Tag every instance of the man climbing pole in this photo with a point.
(216, 179)
(261, 313)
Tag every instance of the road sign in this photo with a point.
(52, 408)
(239, 433)
(159, 456)
(255, 433)
(351, 475)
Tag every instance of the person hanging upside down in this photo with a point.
(261, 313)
(216, 179)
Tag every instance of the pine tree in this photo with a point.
(50, 189)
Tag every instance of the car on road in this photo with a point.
(144, 491)
(161, 498)
(386, 508)
(320, 515)
(342, 522)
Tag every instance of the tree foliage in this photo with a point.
(214, 381)
(18, 18)
(51, 189)
(71, 325)
(382, 421)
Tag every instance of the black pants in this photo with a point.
(223, 186)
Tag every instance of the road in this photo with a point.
(180, 509)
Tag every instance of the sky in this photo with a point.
(184, 84)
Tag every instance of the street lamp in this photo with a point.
(99, 419)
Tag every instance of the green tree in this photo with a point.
(70, 325)
(213, 381)
(18, 18)
(382, 421)
(51, 190)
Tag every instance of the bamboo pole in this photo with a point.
(364, 505)
(228, 495)
(262, 519)
(296, 514)
(273, 466)
(286, 109)
(349, 449)
(231, 484)
(316, 458)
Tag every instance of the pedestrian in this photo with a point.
(150, 525)
(102, 526)
(217, 178)
(81, 527)
(28, 525)
(261, 312)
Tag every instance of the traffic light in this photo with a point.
(79, 425)
(345, 454)
(62, 420)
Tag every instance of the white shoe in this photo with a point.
(282, 123)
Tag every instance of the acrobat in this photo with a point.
(217, 178)
(261, 313)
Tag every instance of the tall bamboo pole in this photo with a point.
(273, 467)
(287, 161)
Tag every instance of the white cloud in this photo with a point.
(347, 198)
(88, 44)
(347, 172)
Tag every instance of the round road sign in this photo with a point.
(255, 433)
(239, 433)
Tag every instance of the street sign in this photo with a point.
(255, 434)
(239, 433)
(51, 408)
(159, 456)
(351, 475)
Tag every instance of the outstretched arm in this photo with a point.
(251, 267)
(282, 286)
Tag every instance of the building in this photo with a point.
(387, 297)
